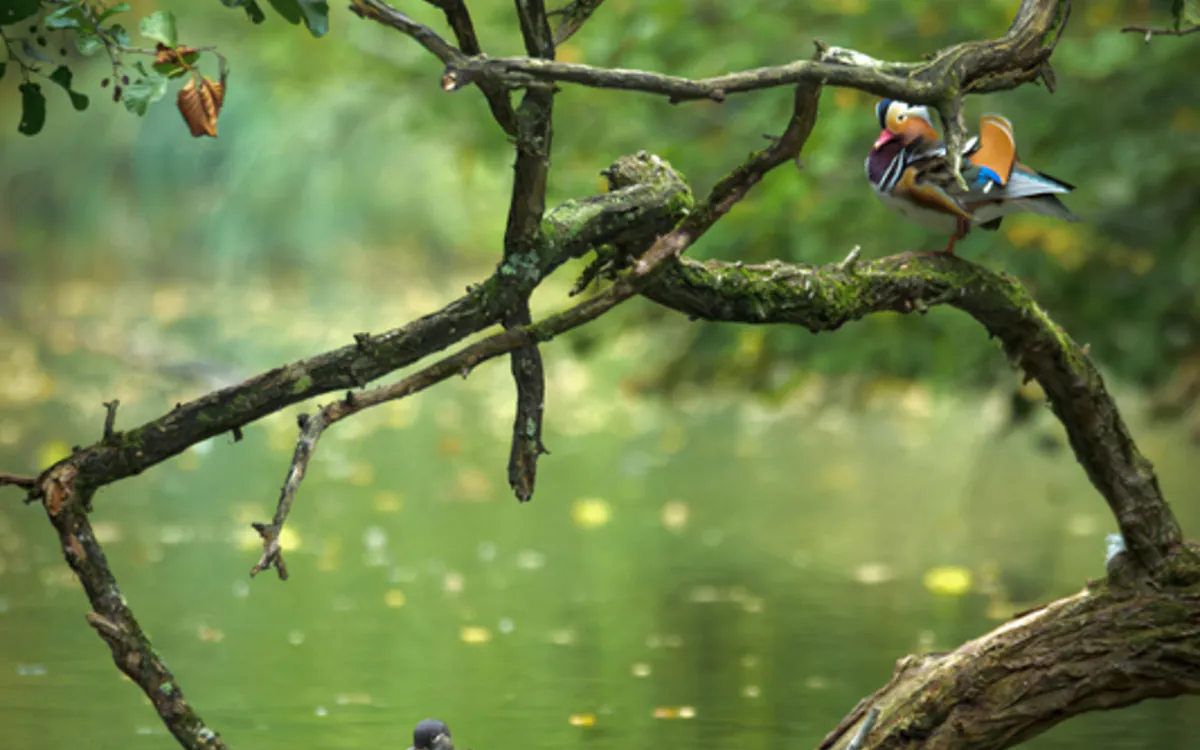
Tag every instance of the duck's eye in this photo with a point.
(901, 118)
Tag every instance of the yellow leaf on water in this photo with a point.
(590, 512)
(394, 598)
(582, 720)
(474, 634)
(948, 581)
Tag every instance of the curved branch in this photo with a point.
(823, 298)
(1100, 649)
(971, 67)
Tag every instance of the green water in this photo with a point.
(750, 571)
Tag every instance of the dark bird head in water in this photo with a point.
(431, 734)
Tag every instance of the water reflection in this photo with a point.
(705, 572)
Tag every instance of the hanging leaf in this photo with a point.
(201, 105)
(160, 26)
(62, 76)
(250, 6)
(12, 11)
(316, 16)
(140, 94)
(33, 109)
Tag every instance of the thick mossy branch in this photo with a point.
(66, 507)
(971, 67)
(823, 298)
(1103, 648)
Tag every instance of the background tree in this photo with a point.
(991, 693)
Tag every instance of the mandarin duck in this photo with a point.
(908, 170)
(431, 734)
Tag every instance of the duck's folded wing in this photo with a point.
(995, 150)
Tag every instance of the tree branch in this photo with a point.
(1152, 32)
(1103, 648)
(66, 501)
(970, 67)
(824, 298)
(376, 10)
(524, 245)
(460, 22)
(17, 480)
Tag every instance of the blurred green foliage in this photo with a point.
(343, 156)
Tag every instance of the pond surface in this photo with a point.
(694, 573)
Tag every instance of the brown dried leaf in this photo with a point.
(201, 105)
(172, 55)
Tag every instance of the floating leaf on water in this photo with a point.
(591, 512)
(452, 583)
(948, 581)
(353, 699)
(449, 446)
(505, 626)
(675, 712)
(675, 515)
(641, 669)
(564, 637)
(816, 682)
(362, 474)
(582, 720)
(873, 573)
(529, 559)
(209, 635)
(394, 598)
(751, 691)
(475, 634)
(386, 501)
(296, 637)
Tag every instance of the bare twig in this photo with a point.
(110, 417)
(272, 557)
(376, 10)
(497, 97)
(16, 480)
(1151, 32)
(530, 377)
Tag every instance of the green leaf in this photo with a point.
(33, 109)
(250, 6)
(88, 44)
(119, 34)
(67, 17)
(62, 76)
(12, 11)
(172, 70)
(140, 94)
(289, 9)
(316, 16)
(160, 26)
(110, 12)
